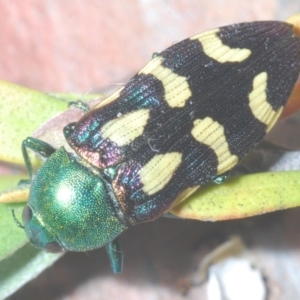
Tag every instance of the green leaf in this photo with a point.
(22, 267)
(242, 196)
(22, 111)
(12, 237)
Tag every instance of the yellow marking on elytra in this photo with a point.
(109, 99)
(157, 173)
(176, 87)
(274, 117)
(214, 48)
(127, 128)
(258, 102)
(211, 133)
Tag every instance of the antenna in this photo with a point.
(16, 220)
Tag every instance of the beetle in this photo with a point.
(188, 117)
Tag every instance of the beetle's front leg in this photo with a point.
(39, 147)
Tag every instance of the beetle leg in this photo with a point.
(115, 255)
(24, 181)
(220, 178)
(80, 105)
(39, 147)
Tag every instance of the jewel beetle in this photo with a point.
(189, 116)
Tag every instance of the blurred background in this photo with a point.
(95, 45)
(84, 46)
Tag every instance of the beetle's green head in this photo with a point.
(70, 207)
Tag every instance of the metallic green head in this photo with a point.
(70, 207)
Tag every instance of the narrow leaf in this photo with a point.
(243, 196)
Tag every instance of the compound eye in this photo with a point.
(26, 214)
(53, 247)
